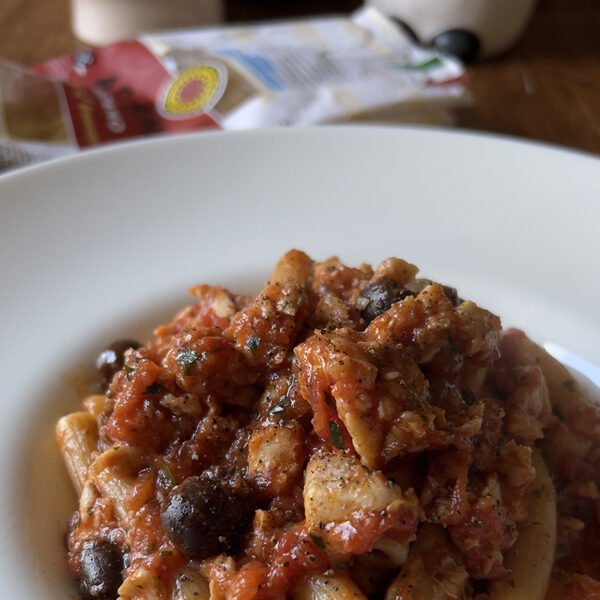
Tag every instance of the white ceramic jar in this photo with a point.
(104, 21)
(496, 24)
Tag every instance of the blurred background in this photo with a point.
(546, 88)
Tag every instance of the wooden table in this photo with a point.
(547, 88)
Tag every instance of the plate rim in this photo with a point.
(394, 129)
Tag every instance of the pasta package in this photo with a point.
(347, 433)
(268, 75)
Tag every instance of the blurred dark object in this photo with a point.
(458, 42)
(548, 87)
(467, 29)
(247, 10)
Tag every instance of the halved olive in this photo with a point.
(112, 358)
(206, 515)
(101, 570)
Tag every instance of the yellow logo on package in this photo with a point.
(194, 91)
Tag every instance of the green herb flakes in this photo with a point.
(155, 388)
(569, 384)
(475, 523)
(186, 358)
(167, 473)
(318, 541)
(253, 343)
(335, 435)
(281, 406)
(454, 349)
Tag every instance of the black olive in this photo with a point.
(378, 297)
(458, 42)
(452, 295)
(418, 285)
(101, 569)
(207, 514)
(111, 360)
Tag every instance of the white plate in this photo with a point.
(104, 245)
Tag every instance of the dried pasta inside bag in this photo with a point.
(296, 73)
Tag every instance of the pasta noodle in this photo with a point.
(112, 477)
(77, 436)
(327, 587)
(348, 433)
(530, 560)
(189, 585)
(95, 404)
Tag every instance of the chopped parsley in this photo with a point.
(318, 540)
(253, 343)
(186, 358)
(475, 523)
(167, 473)
(335, 435)
(155, 388)
(569, 384)
(281, 406)
(454, 349)
(128, 370)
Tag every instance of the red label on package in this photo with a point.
(122, 91)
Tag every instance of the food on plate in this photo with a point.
(348, 433)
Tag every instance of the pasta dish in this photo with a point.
(348, 433)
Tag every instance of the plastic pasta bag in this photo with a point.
(296, 73)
